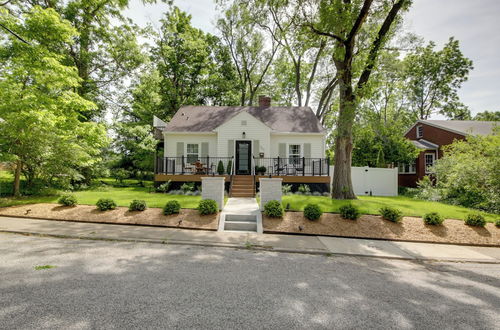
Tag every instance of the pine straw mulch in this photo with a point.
(372, 226)
(187, 218)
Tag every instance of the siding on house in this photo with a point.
(172, 139)
(316, 141)
(233, 130)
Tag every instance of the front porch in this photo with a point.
(291, 170)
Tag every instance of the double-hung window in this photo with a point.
(420, 132)
(192, 154)
(294, 153)
(429, 161)
(407, 168)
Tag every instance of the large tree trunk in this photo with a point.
(342, 183)
(17, 179)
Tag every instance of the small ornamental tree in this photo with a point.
(220, 168)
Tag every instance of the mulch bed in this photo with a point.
(372, 226)
(187, 218)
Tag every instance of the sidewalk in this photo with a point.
(280, 243)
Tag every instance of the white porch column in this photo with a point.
(213, 188)
(270, 189)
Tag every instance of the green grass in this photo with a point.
(371, 205)
(121, 195)
(44, 267)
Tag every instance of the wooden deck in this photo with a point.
(286, 178)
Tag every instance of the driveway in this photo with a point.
(104, 284)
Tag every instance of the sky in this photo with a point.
(475, 23)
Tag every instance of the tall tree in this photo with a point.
(105, 51)
(252, 54)
(193, 66)
(355, 26)
(488, 116)
(432, 79)
(38, 103)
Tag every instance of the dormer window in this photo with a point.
(420, 132)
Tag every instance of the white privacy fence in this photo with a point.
(378, 181)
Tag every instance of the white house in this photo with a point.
(238, 141)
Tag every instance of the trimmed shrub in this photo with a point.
(220, 167)
(229, 166)
(349, 211)
(312, 212)
(187, 187)
(391, 214)
(163, 187)
(104, 204)
(303, 188)
(68, 200)
(497, 223)
(273, 209)
(137, 205)
(286, 189)
(475, 219)
(208, 206)
(433, 218)
(171, 207)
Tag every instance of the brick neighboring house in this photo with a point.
(429, 136)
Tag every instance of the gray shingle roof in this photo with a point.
(464, 127)
(424, 144)
(279, 119)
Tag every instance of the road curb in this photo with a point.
(246, 246)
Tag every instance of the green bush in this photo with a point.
(104, 204)
(391, 214)
(349, 211)
(163, 187)
(137, 205)
(497, 223)
(286, 189)
(303, 188)
(273, 209)
(433, 218)
(171, 207)
(208, 206)
(312, 212)
(68, 200)
(229, 166)
(188, 186)
(220, 167)
(475, 219)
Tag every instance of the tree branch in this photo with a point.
(363, 14)
(377, 43)
(327, 34)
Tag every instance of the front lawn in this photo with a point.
(121, 195)
(371, 205)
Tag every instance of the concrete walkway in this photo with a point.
(280, 243)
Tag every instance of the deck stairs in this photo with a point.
(243, 186)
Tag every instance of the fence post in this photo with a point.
(278, 166)
(303, 166)
(166, 165)
(182, 167)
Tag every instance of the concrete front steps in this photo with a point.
(243, 186)
(241, 214)
(240, 222)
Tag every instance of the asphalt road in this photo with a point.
(101, 284)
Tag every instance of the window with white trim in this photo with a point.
(429, 162)
(420, 132)
(407, 168)
(294, 153)
(192, 154)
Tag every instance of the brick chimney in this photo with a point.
(264, 101)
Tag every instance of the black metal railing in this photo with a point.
(292, 166)
(295, 166)
(188, 165)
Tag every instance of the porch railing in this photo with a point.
(294, 166)
(187, 165)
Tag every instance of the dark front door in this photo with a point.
(243, 155)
